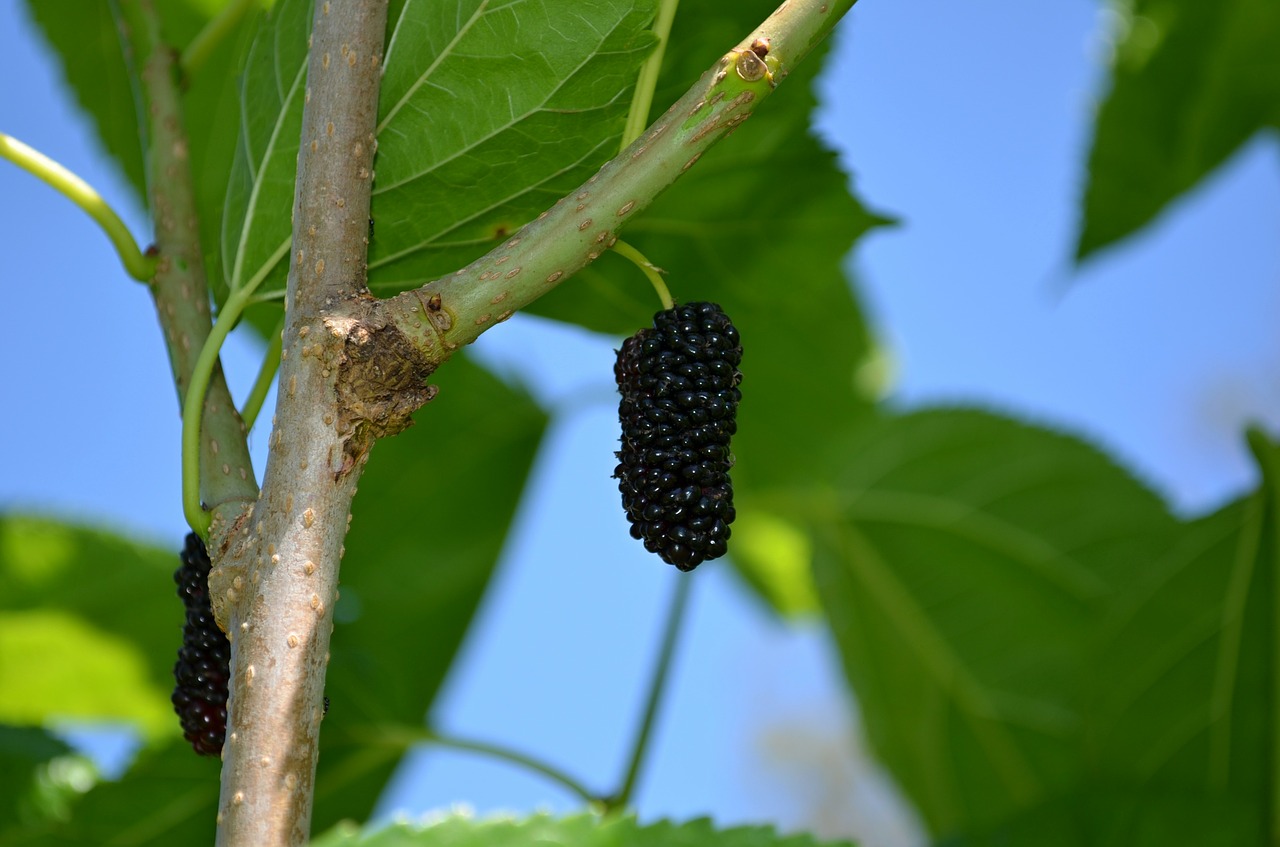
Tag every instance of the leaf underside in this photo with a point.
(1038, 646)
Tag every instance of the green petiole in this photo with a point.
(139, 266)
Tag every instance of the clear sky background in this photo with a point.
(969, 121)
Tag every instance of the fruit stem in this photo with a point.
(652, 271)
(657, 686)
(642, 100)
(139, 266)
(266, 375)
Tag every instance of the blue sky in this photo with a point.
(971, 123)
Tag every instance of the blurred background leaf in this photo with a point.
(169, 796)
(26, 754)
(965, 562)
(1190, 83)
(90, 625)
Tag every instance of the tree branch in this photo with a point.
(345, 379)
(178, 288)
(354, 368)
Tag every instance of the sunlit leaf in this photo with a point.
(53, 664)
(580, 831)
(489, 111)
(90, 625)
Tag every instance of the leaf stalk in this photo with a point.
(642, 100)
(657, 688)
(402, 737)
(266, 375)
(138, 265)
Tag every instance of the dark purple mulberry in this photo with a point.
(679, 386)
(203, 669)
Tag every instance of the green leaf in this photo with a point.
(579, 831)
(489, 111)
(965, 563)
(1187, 665)
(168, 797)
(434, 508)
(90, 625)
(84, 37)
(1191, 82)
(256, 225)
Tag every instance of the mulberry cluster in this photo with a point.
(202, 672)
(679, 386)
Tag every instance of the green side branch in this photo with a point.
(138, 265)
(457, 309)
(179, 287)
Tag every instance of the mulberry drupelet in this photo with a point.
(679, 386)
(203, 670)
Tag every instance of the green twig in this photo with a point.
(657, 686)
(650, 270)
(403, 737)
(642, 100)
(266, 374)
(141, 267)
(213, 34)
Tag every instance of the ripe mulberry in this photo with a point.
(679, 386)
(203, 670)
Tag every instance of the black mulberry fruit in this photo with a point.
(203, 669)
(679, 386)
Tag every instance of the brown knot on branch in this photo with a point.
(382, 380)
